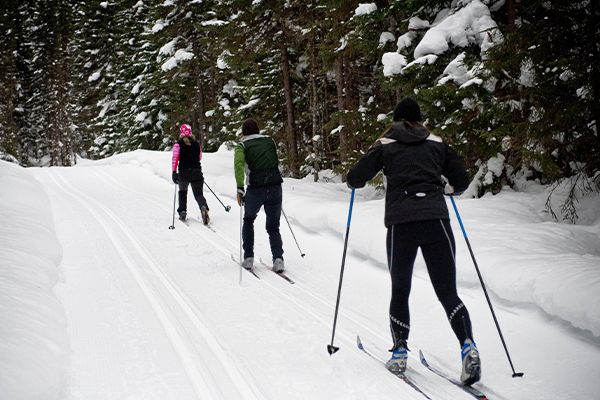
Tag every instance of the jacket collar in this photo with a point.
(250, 137)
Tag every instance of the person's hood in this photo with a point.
(405, 133)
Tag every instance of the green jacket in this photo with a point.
(257, 156)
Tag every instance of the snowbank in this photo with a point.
(33, 338)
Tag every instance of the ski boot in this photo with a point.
(204, 212)
(397, 363)
(248, 263)
(182, 215)
(471, 364)
(278, 265)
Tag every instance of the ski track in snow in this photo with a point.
(266, 339)
(207, 382)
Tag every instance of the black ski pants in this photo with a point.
(270, 198)
(436, 241)
(191, 177)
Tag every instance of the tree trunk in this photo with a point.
(595, 73)
(198, 117)
(341, 104)
(511, 14)
(314, 145)
(289, 111)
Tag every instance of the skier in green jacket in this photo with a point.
(256, 155)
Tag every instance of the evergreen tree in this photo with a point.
(9, 130)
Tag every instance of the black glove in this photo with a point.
(175, 177)
(240, 196)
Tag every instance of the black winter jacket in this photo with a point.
(413, 161)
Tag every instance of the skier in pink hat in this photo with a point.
(187, 154)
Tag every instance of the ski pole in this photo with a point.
(241, 214)
(227, 208)
(174, 197)
(331, 349)
(487, 297)
(294, 236)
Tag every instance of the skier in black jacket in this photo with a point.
(187, 154)
(413, 161)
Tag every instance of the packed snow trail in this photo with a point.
(159, 313)
(192, 344)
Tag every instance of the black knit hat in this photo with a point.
(407, 109)
(250, 127)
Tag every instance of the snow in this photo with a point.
(105, 107)
(336, 130)
(393, 63)
(182, 55)
(34, 345)
(364, 9)
(136, 88)
(158, 26)
(416, 23)
(456, 71)
(495, 166)
(429, 59)
(140, 117)
(224, 103)
(386, 37)
(169, 48)
(406, 40)
(95, 76)
(343, 44)
(471, 24)
(527, 76)
(583, 92)
(213, 22)
(222, 64)
(230, 88)
(169, 64)
(159, 313)
(250, 104)
(221, 60)
(474, 81)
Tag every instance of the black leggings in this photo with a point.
(436, 241)
(195, 179)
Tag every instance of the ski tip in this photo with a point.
(359, 342)
(422, 358)
(332, 349)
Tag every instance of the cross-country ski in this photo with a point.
(402, 376)
(280, 273)
(471, 390)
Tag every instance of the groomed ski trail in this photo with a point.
(210, 368)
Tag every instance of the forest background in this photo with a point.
(513, 85)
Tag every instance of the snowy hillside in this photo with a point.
(153, 313)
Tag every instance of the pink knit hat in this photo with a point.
(185, 130)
